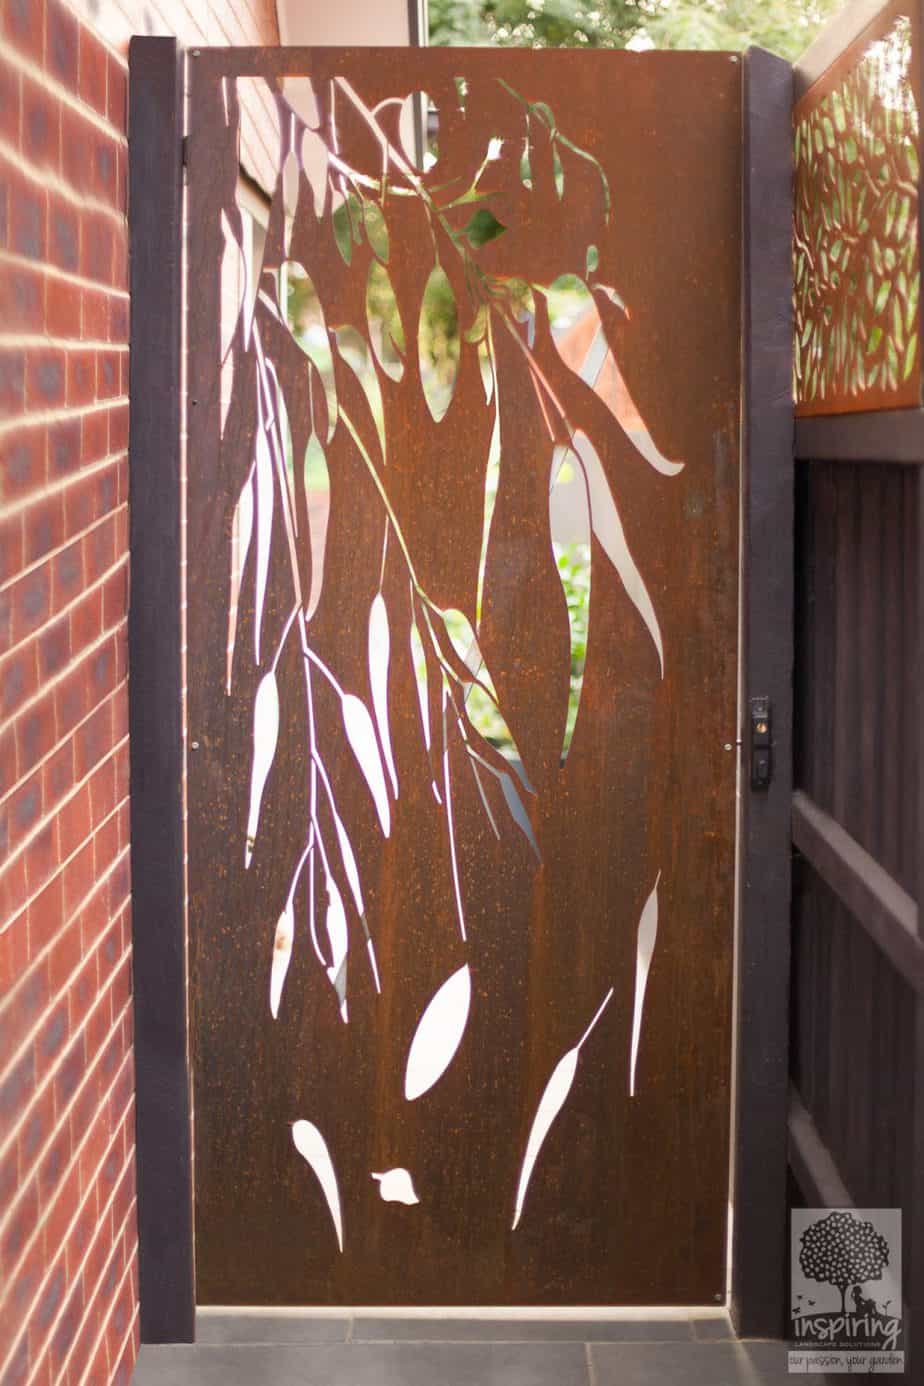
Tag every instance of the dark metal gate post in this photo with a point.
(164, 1160)
(759, 1270)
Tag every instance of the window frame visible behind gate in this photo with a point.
(163, 1093)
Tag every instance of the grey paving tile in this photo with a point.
(246, 1327)
(715, 1326)
(693, 1364)
(393, 1330)
(358, 1364)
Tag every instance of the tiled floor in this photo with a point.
(266, 1349)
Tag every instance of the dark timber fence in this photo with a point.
(857, 1003)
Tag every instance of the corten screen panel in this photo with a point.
(856, 254)
(462, 633)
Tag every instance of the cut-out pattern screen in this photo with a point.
(856, 254)
(462, 603)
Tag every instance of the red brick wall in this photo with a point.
(68, 1242)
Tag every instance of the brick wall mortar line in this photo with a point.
(47, 492)
(52, 181)
(118, 1290)
(86, 22)
(52, 814)
(37, 1230)
(80, 281)
(65, 987)
(113, 1250)
(49, 557)
(44, 761)
(81, 1204)
(28, 340)
(42, 417)
(59, 91)
(136, 1314)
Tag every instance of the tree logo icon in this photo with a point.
(843, 1251)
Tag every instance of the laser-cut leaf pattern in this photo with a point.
(282, 955)
(856, 257)
(312, 1147)
(379, 655)
(554, 1097)
(265, 737)
(645, 946)
(361, 736)
(438, 1035)
(397, 1186)
(336, 281)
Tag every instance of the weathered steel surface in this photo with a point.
(627, 176)
(856, 235)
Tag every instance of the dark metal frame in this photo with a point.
(162, 1071)
(760, 1143)
(162, 1088)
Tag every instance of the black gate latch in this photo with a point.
(761, 753)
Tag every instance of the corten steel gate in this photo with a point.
(463, 521)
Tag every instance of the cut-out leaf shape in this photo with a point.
(282, 954)
(417, 121)
(518, 812)
(379, 654)
(483, 227)
(465, 643)
(317, 489)
(386, 330)
(599, 370)
(419, 663)
(361, 736)
(281, 440)
(569, 506)
(550, 1104)
(396, 1186)
(343, 232)
(312, 1147)
(315, 163)
(376, 229)
(349, 863)
(265, 736)
(438, 1034)
(647, 936)
(607, 526)
(338, 941)
(355, 352)
(305, 319)
(243, 519)
(265, 502)
(450, 828)
(439, 319)
(233, 284)
(242, 532)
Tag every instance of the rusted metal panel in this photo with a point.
(501, 845)
(856, 233)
